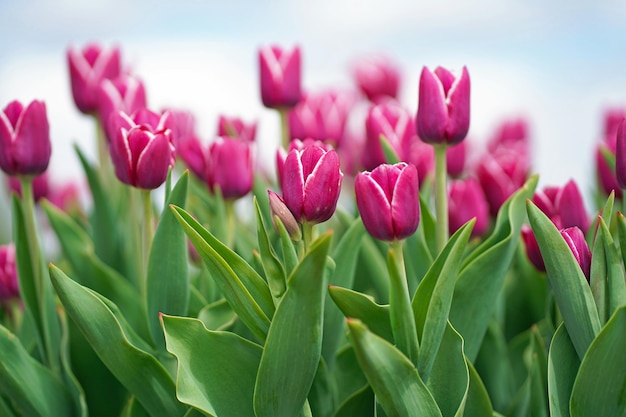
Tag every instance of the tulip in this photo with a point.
(455, 159)
(388, 200)
(88, 68)
(606, 176)
(377, 78)
(443, 115)
(510, 133)
(8, 273)
(421, 155)
(24, 139)
(229, 167)
(182, 123)
(612, 120)
(41, 186)
(500, 175)
(279, 209)
(563, 205)
(298, 145)
(124, 93)
(620, 155)
(392, 121)
(280, 76)
(234, 127)
(532, 248)
(193, 154)
(467, 201)
(311, 182)
(142, 149)
(575, 239)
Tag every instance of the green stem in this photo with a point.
(284, 128)
(441, 197)
(400, 309)
(307, 235)
(103, 149)
(231, 222)
(148, 229)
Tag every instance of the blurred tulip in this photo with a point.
(229, 167)
(466, 201)
(8, 273)
(236, 128)
(193, 154)
(605, 174)
(377, 78)
(443, 114)
(612, 119)
(280, 76)
(500, 175)
(456, 156)
(575, 239)
(620, 155)
(510, 133)
(563, 205)
(394, 122)
(41, 186)
(532, 248)
(388, 201)
(124, 93)
(25, 147)
(422, 156)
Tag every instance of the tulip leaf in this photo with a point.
(274, 270)
(238, 282)
(372, 275)
(432, 301)
(599, 385)
(391, 157)
(361, 403)
(72, 383)
(347, 374)
(392, 376)
(621, 230)
(216, 370)
(217, 315)
(290, 255)
(136, 369)
(615, 284)
(33, 389)
(293, 347)
(563, 364)
(568, 283)
(474, 295)
(478, 403)
(167, 282)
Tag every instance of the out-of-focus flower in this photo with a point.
(124, 93)
(280, 210)
(377, 78)
(563, 205)
(141, 149)
(68, 197)
(605, 174)
(456, 156)
(280, 76)
(229, 167)
(193, 154)
(24, 138)
(182, 123)
(388, 200)
(612, 119)
(575, 239)
(311, 183)
(532, 248)
(422, 156)
(443, 113)
(235, 127)
(511, 133)
(620, 155)
(41, 186)
(9, 287)
(88, 67)
(467, 201)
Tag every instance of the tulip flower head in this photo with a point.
(467, 201)
(378, 78)
(563, 205)
(235, 127)
(280, 76)
(24, 139)
(443, 114)
(388, 200)
(124, 93)
(41, 186)
(620, 155)
(279, 209)
(575, 239)
(8, 273)
(229, 167)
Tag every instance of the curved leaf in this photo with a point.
(563, 364)
(362, 403)
(359, 306)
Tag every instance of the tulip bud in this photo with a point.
(532, 248)
(280, 76)
(124, 93)
(620, 155)
(311, 182)
(575, 239)
(234, 127)
(388, 200)
(467, 201)
(8, 273)
(443, 115)
(182, 123)
(41, 186)
(229, 167)
(297, 144)
(88, 68)
(510, 133)
(378, 78)
(279, 209)
(421, 155)
(612, 120)
(24, 139)
(563, 205)
(394, 122)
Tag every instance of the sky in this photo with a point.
(557, 63)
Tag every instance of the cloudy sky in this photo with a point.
(558, 63)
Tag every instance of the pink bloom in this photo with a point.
(280, 76)
(422, 156)
(467, 201)
(193, 154)
(377, 78)
(235, 127)
(8, 273)
(563, 205)
(41, 186)
(500, 175)
(456, 156)
(575, 239)
(620, 155)
(297, 144)
(124, 93)
(229, 167)
(279, 209)
(510, 133)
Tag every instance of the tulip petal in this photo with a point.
(321, 189)
(31, 148)
(293, 183)
(154, 161)
(458, 109)
(620, 155)
(571, 207)
(374, 207)
(405, 206)
(121, 157)
(432, 113)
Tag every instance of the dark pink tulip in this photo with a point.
(466, 201)
(612, 119)
(575, 239)
(455, 159)
(422, 156)
(510, 133)
(394, 122)
(620, 155)
(142, 150)
(182, 123)
(298, 144)
(606, 176)
(280, 76)
(193, 154)
(279, 209)
(235, 127)
(388, 200)
(124, 93)
(229, 167)
(41, 186)
(8, 273)
(24, 138)
(500, 175)
(563, 205)
(378, 78)
(311, 182)
(532, 248)
(443, 115)
(68, 197)
(88, 67)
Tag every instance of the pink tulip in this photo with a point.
(193, 153)
(606, 176)
(467, 201)
(9, 287)
(41, 186)
(500, 175)
(377, 78)
(392, 121)
(456, 156)
(296, 144)
(279, 209)
(235, 127)
(575, 239)
(280, 76)
(620, 155)
(124, 93)
(229, 167)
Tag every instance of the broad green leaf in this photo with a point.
(392, 376)
(568, 283)
(372, 276)
(217, 315)
(615, 285)
(238, 282)
(599, 274)
(290, 255)
(347, 374)
(599, 386)
(5, 410)
(274, 270)
(353, 304)
(478, 403)
(321, 397)
(135, 368)
(216, 370)
(432, 301)
(361, 404)
(71, 382)
(538, 375)
(482, 273)
(33, 389)
(293, 346)
(167, 282)
(563, 364)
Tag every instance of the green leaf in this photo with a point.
(216, 370)
(321, 396)
(361, 403)
(218, 315)
(237, 281)
(33, 389)
(600, 385)
(390, 154)
(294, 343)
(372, 275)
(473, 301)
(347, 374)
(392, 376)
(615, 284)
(274, 270)
(167, 282)
(568, 283)
(135, 368)
(478, 403)
(563, 364)
(621, 230)
(72, 383)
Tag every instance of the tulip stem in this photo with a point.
(284, 128)
(148, 230)
(307, 235)
(441, 200)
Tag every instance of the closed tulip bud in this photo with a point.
(229, 167)
(377, 78)
(394, 122)
(236, 128)
(443, 115)
(124, 93)
(311, 182)
(298, 144)
(620, 155)
(280, 76)
(510, 133)
(182, 123)
(8, 273)
(279, 209)
(24, 139)
(388, 200)
(575, 239)
(422, 156)
(612, 120)
(88, 67)
(467, 201)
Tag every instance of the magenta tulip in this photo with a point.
(279, 209)
(229, 167)
(193, 153)
(532, 248)
(280, 76)
(377, 78)
(41, 186)
(443, 115)
(456, 156)
(297, 144)
(124, 93)
(235, 127)
(606, 176)
(388, 200)
(500, 175)
(24, 139)
(8, 273)
(510, 133)
(563, 205)
(620, 155)
(311, 182)
(467, 201)
(575, 239)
